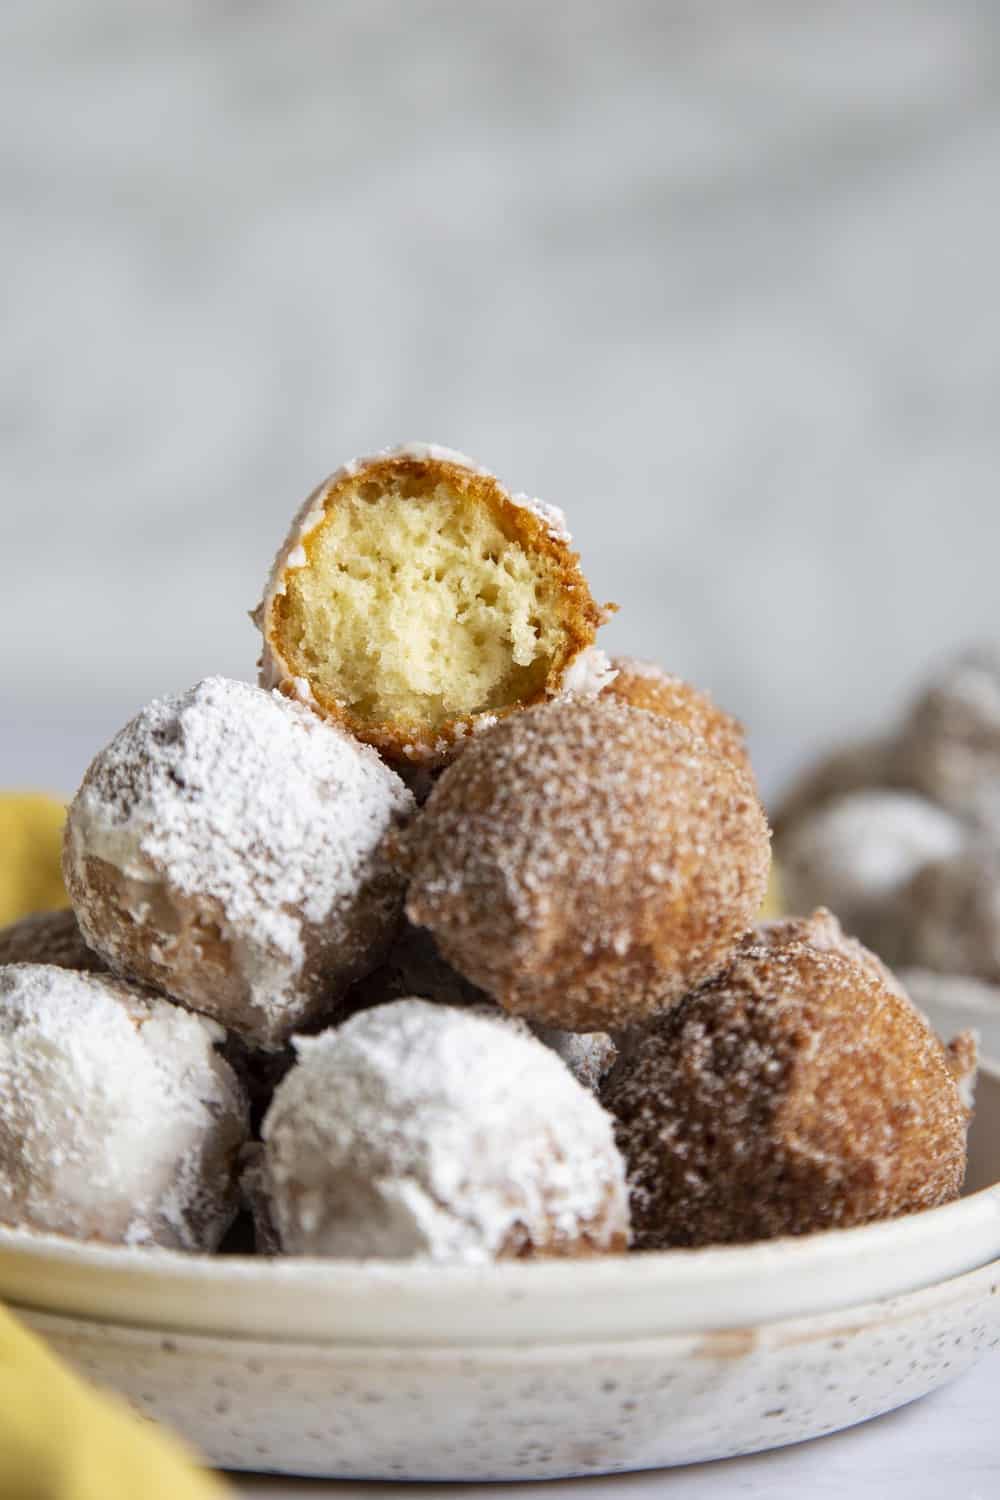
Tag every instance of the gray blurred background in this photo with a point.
(720, 279)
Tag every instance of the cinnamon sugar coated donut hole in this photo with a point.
(416, 598)
(643, 684)
(420, 1130)
(792, 1093)
(227, 847)
(119, 1121)
(48, 937)
(586, 863)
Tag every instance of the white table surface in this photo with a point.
(947, 1445)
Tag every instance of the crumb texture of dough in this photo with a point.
(420, 597)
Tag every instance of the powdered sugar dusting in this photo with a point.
(417, 1130)
(414, 969)
(588, 674)
(434, 453)
(637, 668)
(823, 932)
(554, 518)
(241, 798)
(118, 1119)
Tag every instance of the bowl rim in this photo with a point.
(626, 1296)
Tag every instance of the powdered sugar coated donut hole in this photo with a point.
(419, 1130)
(228, 847)
(119, 1121)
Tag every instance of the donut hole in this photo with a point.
(419, 603)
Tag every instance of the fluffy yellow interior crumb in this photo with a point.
(419, 608)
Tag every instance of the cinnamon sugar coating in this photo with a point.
(645, 685)
(821, 930)
(587, 863)
(49, 937)
(793, 1093)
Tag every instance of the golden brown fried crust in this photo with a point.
(645, 685)
(593, 1237)
(823, 931)
(587, 863)
(49, 937)
(177, 945)
(792, 1093)
(413, 742)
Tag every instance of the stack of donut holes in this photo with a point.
(440, 942)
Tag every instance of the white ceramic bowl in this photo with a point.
(530, 1371)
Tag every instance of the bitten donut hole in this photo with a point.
(416, 605)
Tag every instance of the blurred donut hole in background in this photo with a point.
(900, 837)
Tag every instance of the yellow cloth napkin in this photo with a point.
(31, 826)
(61, 1441)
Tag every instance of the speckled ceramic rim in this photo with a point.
(617, 1297)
